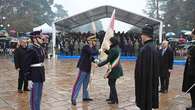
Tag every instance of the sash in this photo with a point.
(114, 64)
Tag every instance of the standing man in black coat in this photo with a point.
(19, 54)
(166, 66)
(189, 73)
(19, 61)
(146, 72)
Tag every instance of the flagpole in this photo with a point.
(186, 91)
(93, 66)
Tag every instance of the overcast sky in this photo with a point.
(78, 6)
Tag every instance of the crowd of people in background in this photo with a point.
(7, 47)
(72, 43)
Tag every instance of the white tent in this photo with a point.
(45, 28)
(68, 23)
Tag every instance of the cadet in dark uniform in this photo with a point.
(19, 54)
(189, 73)
(115, 69)
(84, 65)
(35, 71)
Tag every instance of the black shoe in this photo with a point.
(161, 91)
(87, 99)
(26, 90)
(20, 91)
(112, 102)
(190, 108)
(108, 100)
(73, 102)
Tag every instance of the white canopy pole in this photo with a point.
(160, 31)
(53, 39)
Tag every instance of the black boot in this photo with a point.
(190, 108)
(87, 99)
(113, 102)
(73, 102)
(108, 99)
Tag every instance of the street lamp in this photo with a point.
(4, 25)
(166, 27)
(3, 17)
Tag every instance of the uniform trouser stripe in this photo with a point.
(35, 96)
(32, 99)
(74, 87)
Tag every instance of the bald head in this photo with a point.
(23, 43)
(165, 44)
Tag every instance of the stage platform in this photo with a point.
(123, 58)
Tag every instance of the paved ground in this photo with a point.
(60, 76)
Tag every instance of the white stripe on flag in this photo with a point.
(106, 42)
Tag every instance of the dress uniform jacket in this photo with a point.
(35, 56)
(84, 63)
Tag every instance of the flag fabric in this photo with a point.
(109, 33)
(106, 42)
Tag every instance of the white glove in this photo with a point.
(100, 50)
(106, 75)
(30, 85)
(97, 61)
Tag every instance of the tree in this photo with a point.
(23, 15)
(176, 14)
(150, 8)
(154, 8)
(60, 13)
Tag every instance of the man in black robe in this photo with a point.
(189, 73)
(146, 72)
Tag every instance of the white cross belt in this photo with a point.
(37, 65)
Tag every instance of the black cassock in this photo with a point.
(189, 71)
(146, 77)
